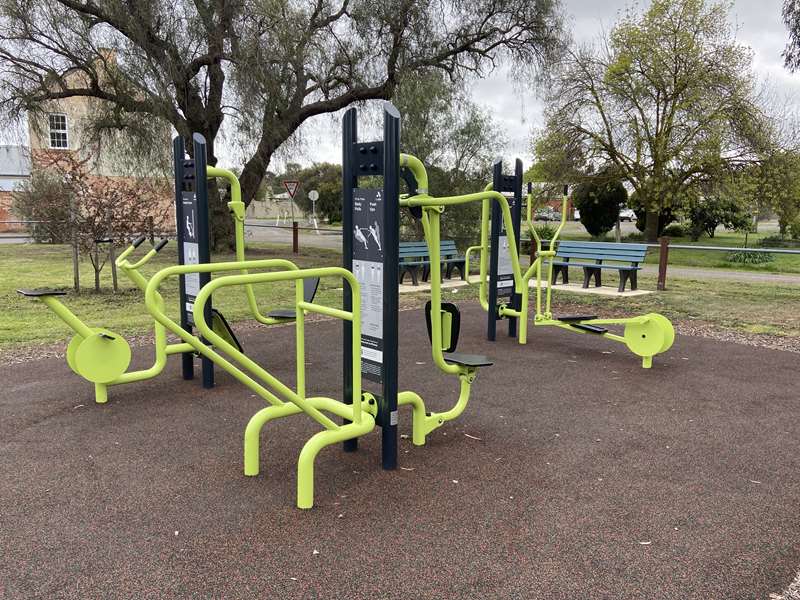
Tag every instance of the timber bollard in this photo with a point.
(295, 238)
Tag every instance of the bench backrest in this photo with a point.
(411, 250)
(448, 249)
(633, 253)
(408, 250)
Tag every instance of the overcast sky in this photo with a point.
(758, 23)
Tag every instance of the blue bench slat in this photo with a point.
(613, 245)
(598, 266)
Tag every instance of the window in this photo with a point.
(58, 131)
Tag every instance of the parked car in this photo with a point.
(627, 214)
(546, 214)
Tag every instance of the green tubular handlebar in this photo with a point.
(237, 208)
(246, 279)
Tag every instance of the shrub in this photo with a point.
(634, 236)
(750, 258)
(46, 199)
(599, 201)
(675, 230)
(775, 240)
(545, 231)
(794, 229)
(706, 213)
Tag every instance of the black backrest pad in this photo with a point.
(451, 308)
(310, 285)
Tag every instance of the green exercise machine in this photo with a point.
(102, 356)
(645, 336)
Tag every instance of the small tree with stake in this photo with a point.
(99, 209)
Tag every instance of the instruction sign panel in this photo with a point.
(505, 270)
(368, 268)
(191, 249)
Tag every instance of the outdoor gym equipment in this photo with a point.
(102, 356)
(645, 335)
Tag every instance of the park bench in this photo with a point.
(414, 256)
(579, 254)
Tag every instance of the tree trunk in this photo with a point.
(651, 226)
(220, 222)
(95, 264)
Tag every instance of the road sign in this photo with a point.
(313, 195)
(291, 187)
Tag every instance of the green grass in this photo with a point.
(752, 307)
(25, 320)
(709, 259)
(749, 307)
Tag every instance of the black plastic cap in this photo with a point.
(160, 245)
(138, 241)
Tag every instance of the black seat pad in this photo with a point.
(41, 292)
(467, 360)
(283, 313)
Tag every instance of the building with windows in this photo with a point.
(15, 170)
(56, 130)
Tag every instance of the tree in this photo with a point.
(324, 177)
(266, 65)
(599, 201)
(45, 201)
(775, 184)
(791, 18)
(458, 142)
(707, 212)
(89, 208)
(667, 98)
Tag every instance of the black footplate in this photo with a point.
(41, 292)
(467, 360)
(589, 328)
(570, 318)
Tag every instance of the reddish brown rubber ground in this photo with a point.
(592, 478)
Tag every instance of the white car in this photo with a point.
(627, 214)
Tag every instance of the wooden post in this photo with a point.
(76, 272)
(151, 230)
(295, 240)
(663, 260)
(112, 257)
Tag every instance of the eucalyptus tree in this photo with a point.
(265, 66)
(667, 97)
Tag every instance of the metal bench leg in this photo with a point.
(623, 277)
(426, 272)
(413, 272)
(597, 282)
(634, 282)
(587, 276)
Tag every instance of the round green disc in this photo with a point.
(645, 339)
(669, 330)
(72, 348)
(102, 357)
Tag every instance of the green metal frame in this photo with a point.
(131, 270)
(646, 335)
(283, 400)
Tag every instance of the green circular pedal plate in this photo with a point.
(669, 330)
(102, 357)
(648, 338)
(72, 348)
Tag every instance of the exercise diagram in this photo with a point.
(373, 230)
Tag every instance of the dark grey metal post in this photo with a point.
(349, 182)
